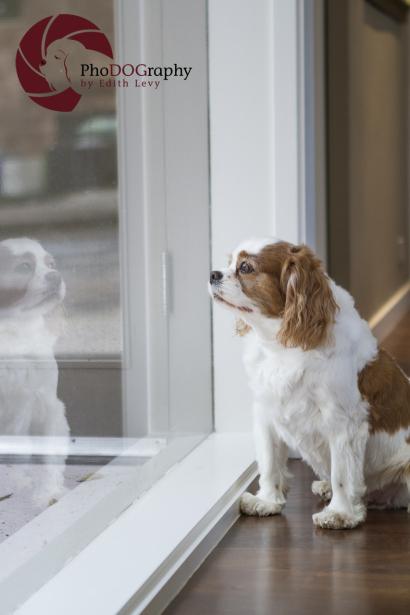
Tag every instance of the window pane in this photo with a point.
(59, 185)
(105, 367)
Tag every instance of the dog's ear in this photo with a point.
(241, 327)
(310, 307)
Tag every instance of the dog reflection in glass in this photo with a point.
(30, 288)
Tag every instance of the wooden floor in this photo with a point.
(398, 344)
(283, 565)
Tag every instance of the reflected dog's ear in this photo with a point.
(310, 307)
(14, 278)
(241, 327)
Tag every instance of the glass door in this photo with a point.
(105, 333)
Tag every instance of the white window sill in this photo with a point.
(147, 554)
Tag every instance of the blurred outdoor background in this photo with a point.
(58, 182)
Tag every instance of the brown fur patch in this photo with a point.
(289, 282)
(387, 390)
(262, 285)
(396, 473)
(310, 307)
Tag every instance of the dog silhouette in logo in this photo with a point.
(62, 64)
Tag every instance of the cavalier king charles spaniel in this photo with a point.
(30, 287)
(320, 384)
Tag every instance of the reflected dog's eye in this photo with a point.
(25, 267)
(246, 267)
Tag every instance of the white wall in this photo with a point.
(256, 154)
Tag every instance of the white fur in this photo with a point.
(29, 405)
(310, 400)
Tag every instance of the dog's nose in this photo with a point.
(53, 279)
(216, 276)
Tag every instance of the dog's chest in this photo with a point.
(280, 375)
(289, 382)
(28, 373)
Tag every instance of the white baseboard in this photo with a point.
(192, 554)
(389, 315)
(153, 548)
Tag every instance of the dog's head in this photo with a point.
(277, 280)
(29, 281)
(58, 62)
(61, 65)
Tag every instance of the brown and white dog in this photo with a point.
(320, 382)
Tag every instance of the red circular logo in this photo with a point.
(51, 52)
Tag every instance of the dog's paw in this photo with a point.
(323, 489)
(252, 505)
(333, 520)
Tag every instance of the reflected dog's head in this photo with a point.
(271, 279)
(30, 284)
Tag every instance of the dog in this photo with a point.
(62, 64)
(320, 384)
(30, 288)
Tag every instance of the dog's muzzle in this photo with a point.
(216, 277)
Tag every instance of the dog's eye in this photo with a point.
(25, 267)
(51, 264)
(245, 267)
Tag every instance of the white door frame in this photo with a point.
(164, 223)
(266, 135)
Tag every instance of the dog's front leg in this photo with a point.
(346, 508)
(271, 455)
